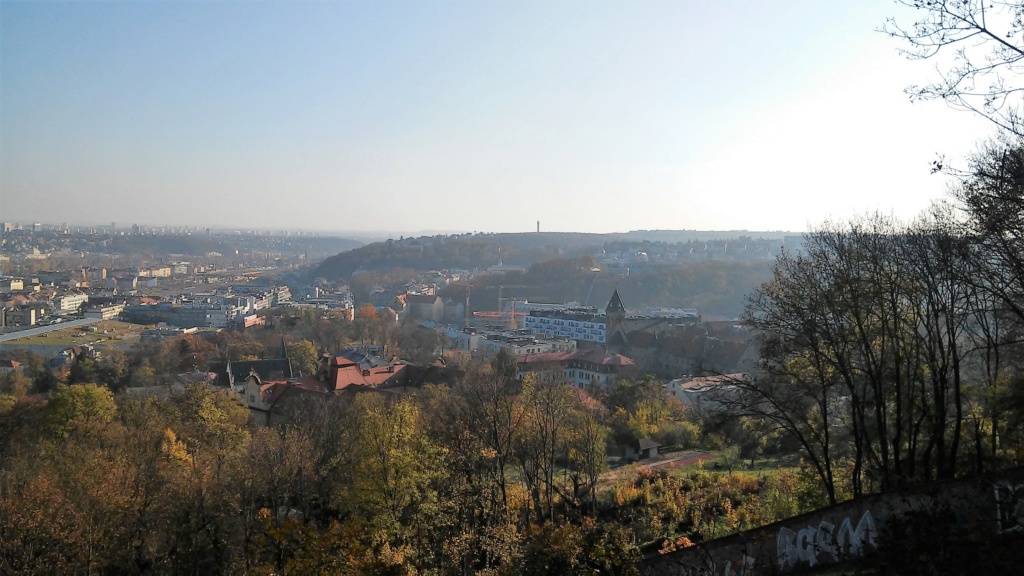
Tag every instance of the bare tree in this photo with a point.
(867, 349)
(984, 40)
(991, 191)
(797, 385)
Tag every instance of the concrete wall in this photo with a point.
(992, 504)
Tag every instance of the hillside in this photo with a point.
(478, 251)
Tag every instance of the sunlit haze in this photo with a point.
(465, 116)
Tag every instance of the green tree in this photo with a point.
(15, 383)
(80, 408)
(302, 354)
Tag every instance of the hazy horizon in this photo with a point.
(373, 233)
(465, 116)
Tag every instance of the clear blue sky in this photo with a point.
(425, 115)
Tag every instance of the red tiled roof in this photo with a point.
(345, 373)
(272, 390)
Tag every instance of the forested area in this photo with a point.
(559, 268)
(489, 475)
(892, 351)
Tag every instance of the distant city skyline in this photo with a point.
(358, 234)
(457, 116)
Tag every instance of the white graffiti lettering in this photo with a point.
(743, 568)
(824, 542)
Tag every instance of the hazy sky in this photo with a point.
(489, 116)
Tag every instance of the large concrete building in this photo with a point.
(580, 324)
(518, 342)
(591, 368)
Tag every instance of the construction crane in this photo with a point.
(509, 317)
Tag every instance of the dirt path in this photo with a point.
(682, 459)
(669, 461)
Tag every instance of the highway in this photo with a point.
(45, 329)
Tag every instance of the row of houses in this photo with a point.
(273, 390)
(236, 308)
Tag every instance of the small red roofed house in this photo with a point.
(398, 303)
(267, 398)
(339, 374)
(709, 394)
(8, 366)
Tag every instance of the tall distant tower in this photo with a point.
(614, 313)
(538, 226)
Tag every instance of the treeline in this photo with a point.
(163, 245)
(472, 251)
(444, 252)
(487, 476)
(892, 351)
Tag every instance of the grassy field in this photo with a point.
(684, 462)
(107, 333)
(721, 462)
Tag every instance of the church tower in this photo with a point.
(614, 314)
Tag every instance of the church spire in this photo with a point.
(615, 305)
(614, 315)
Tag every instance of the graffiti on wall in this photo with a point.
(743, 567)
(1009, 506)
(826, 542)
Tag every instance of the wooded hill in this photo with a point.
(470, 251)
(693, 273)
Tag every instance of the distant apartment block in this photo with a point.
(155, 272)
(104, 312)
(265, 296)
(584, 325)
(70, 302)
(19, 316)
(518, 342)
(8, 284)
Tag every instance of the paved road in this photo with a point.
(45, 329)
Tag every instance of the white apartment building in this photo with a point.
(70, 302)
(519, 342)
(579, 326)
(107, 312)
